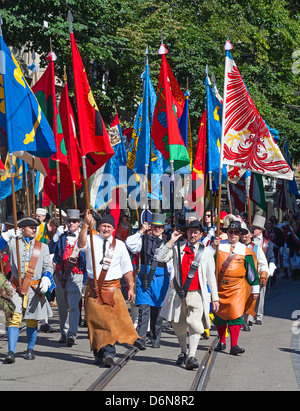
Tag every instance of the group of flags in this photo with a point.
(233, 138)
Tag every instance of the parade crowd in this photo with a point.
(189, 276)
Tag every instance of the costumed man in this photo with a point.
(36, 275)
(107, 315)
(187, 303)
(262, 268)
(238, 285)
(258, 225)
(69, 277)
(151, 287)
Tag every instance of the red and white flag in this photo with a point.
(247, 142)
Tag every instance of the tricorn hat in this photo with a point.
(235, 225)
(259, 221)
(10, 220)
(73, 214)
(28, 221)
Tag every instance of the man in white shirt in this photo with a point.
(107, 315)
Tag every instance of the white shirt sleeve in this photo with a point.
(134, 242)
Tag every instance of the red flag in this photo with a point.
(94, 140)
(196, 198)
(44, 91)
(70, 136)
(169, 106)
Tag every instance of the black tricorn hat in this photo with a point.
(235, 225)
(28, 221)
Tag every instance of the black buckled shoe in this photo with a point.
(10, 358)
(191, 363)
(236, 350)
(181, 359)
(30, 354)
(220, 347)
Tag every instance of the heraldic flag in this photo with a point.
(70, 136)
(94, 140)
(169, 107)
(21, 116)
(248, 143)
(44, 90)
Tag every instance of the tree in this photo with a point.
(112, 37)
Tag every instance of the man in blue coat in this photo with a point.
(151, 286)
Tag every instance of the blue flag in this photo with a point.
(142, 150)
(214, 132)
(115, 173)
(143, 144)
(21, 116)
(5, 181)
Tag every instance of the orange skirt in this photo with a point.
(235, 298)
(106, 324)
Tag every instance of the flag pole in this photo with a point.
(227, 46)
(83, 158)
(209, 172)
(15, 217)
(27, 189)
(13, 193)
(145, 276)
(69, 159)
(247, 181)
(176, 221)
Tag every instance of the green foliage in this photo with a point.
(112, 37)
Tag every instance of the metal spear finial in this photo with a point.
(70, 20)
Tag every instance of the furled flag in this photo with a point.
(247, 142)
(70, 136)
(287, 190)
(21, 116)
(185, 129)
(196, 191)
(238, 195)
(257, 191)
(5, 180)
(214, 131)
(143, 144)
(169, 107)
(94, 140)
(44, 91)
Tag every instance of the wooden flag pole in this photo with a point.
(69, 160)
(15, 217)
(247, 182)
(97, 291)
(27, 190)
(221, 155)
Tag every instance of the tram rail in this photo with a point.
(198, 384)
